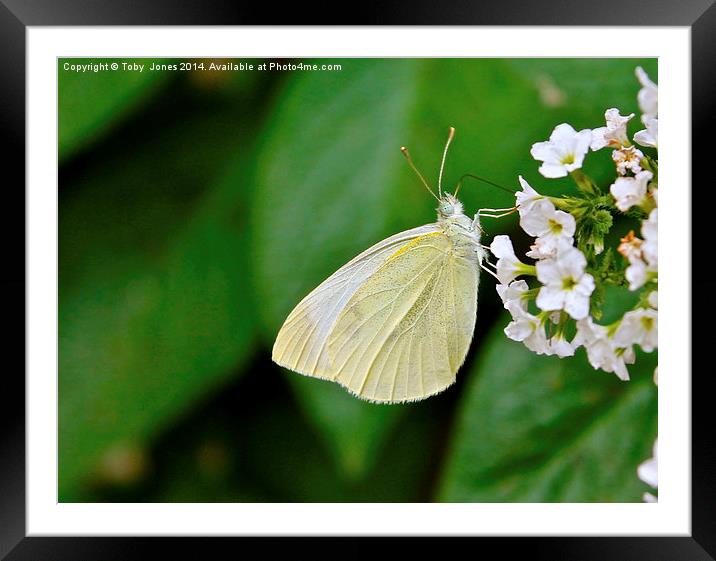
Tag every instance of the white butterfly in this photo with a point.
(394, 324)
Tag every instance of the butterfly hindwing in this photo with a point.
(405, 331)
(301, 344)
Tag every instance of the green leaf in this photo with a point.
(587, 85)
(90, 103)
(542, 429)
(353, 429)
(155, 307)
(332, 182)
(235, 451)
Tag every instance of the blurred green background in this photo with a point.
(198, 207)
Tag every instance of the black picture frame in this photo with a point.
(17, 15)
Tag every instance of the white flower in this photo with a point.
(548, 249)
(528, 329)
(630, 191)
(513, 294)
(601, 350)
(648, 471)
(549, 225)
(563, 152)
(527, 198)
(638, 327)
(589, 332)
(649, 136)
(537, 251)
(614, 134)
(539, 217)
(622, 357)
(650, 231)
(653, 299)
(566, 285)
(633, 249)
(558, 345)
(637, 273)
(648, 96)
(508, 266)
(630, 247)
(628, 159)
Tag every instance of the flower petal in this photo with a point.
(536, 221)
(552, 171)
(518, 330)
(544, 151)
(548, 271)
(598, 141)
(550, 298)
(576, 305)
(563, 134)
(501, 247)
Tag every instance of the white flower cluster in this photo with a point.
(564, 293)
(633, 190)
(642, 254)
(641, 191)
(560, 267)
(568, 274)
(562, 300)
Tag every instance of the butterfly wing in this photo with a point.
(405, 331)
(301, 344)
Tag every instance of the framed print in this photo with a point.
(358, 281)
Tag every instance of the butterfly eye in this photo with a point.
(446, 209)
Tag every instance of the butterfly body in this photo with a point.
(463, 231)
(395, 323)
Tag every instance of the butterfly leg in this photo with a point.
(486, 269)
(490, 264)
(491, 212)
(484, 262)
(511, 209)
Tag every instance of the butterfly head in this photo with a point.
(449, 206)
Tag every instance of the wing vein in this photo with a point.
(367, 319)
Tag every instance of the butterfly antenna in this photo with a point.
(451, 134)
(478, 178)
(405, 152)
